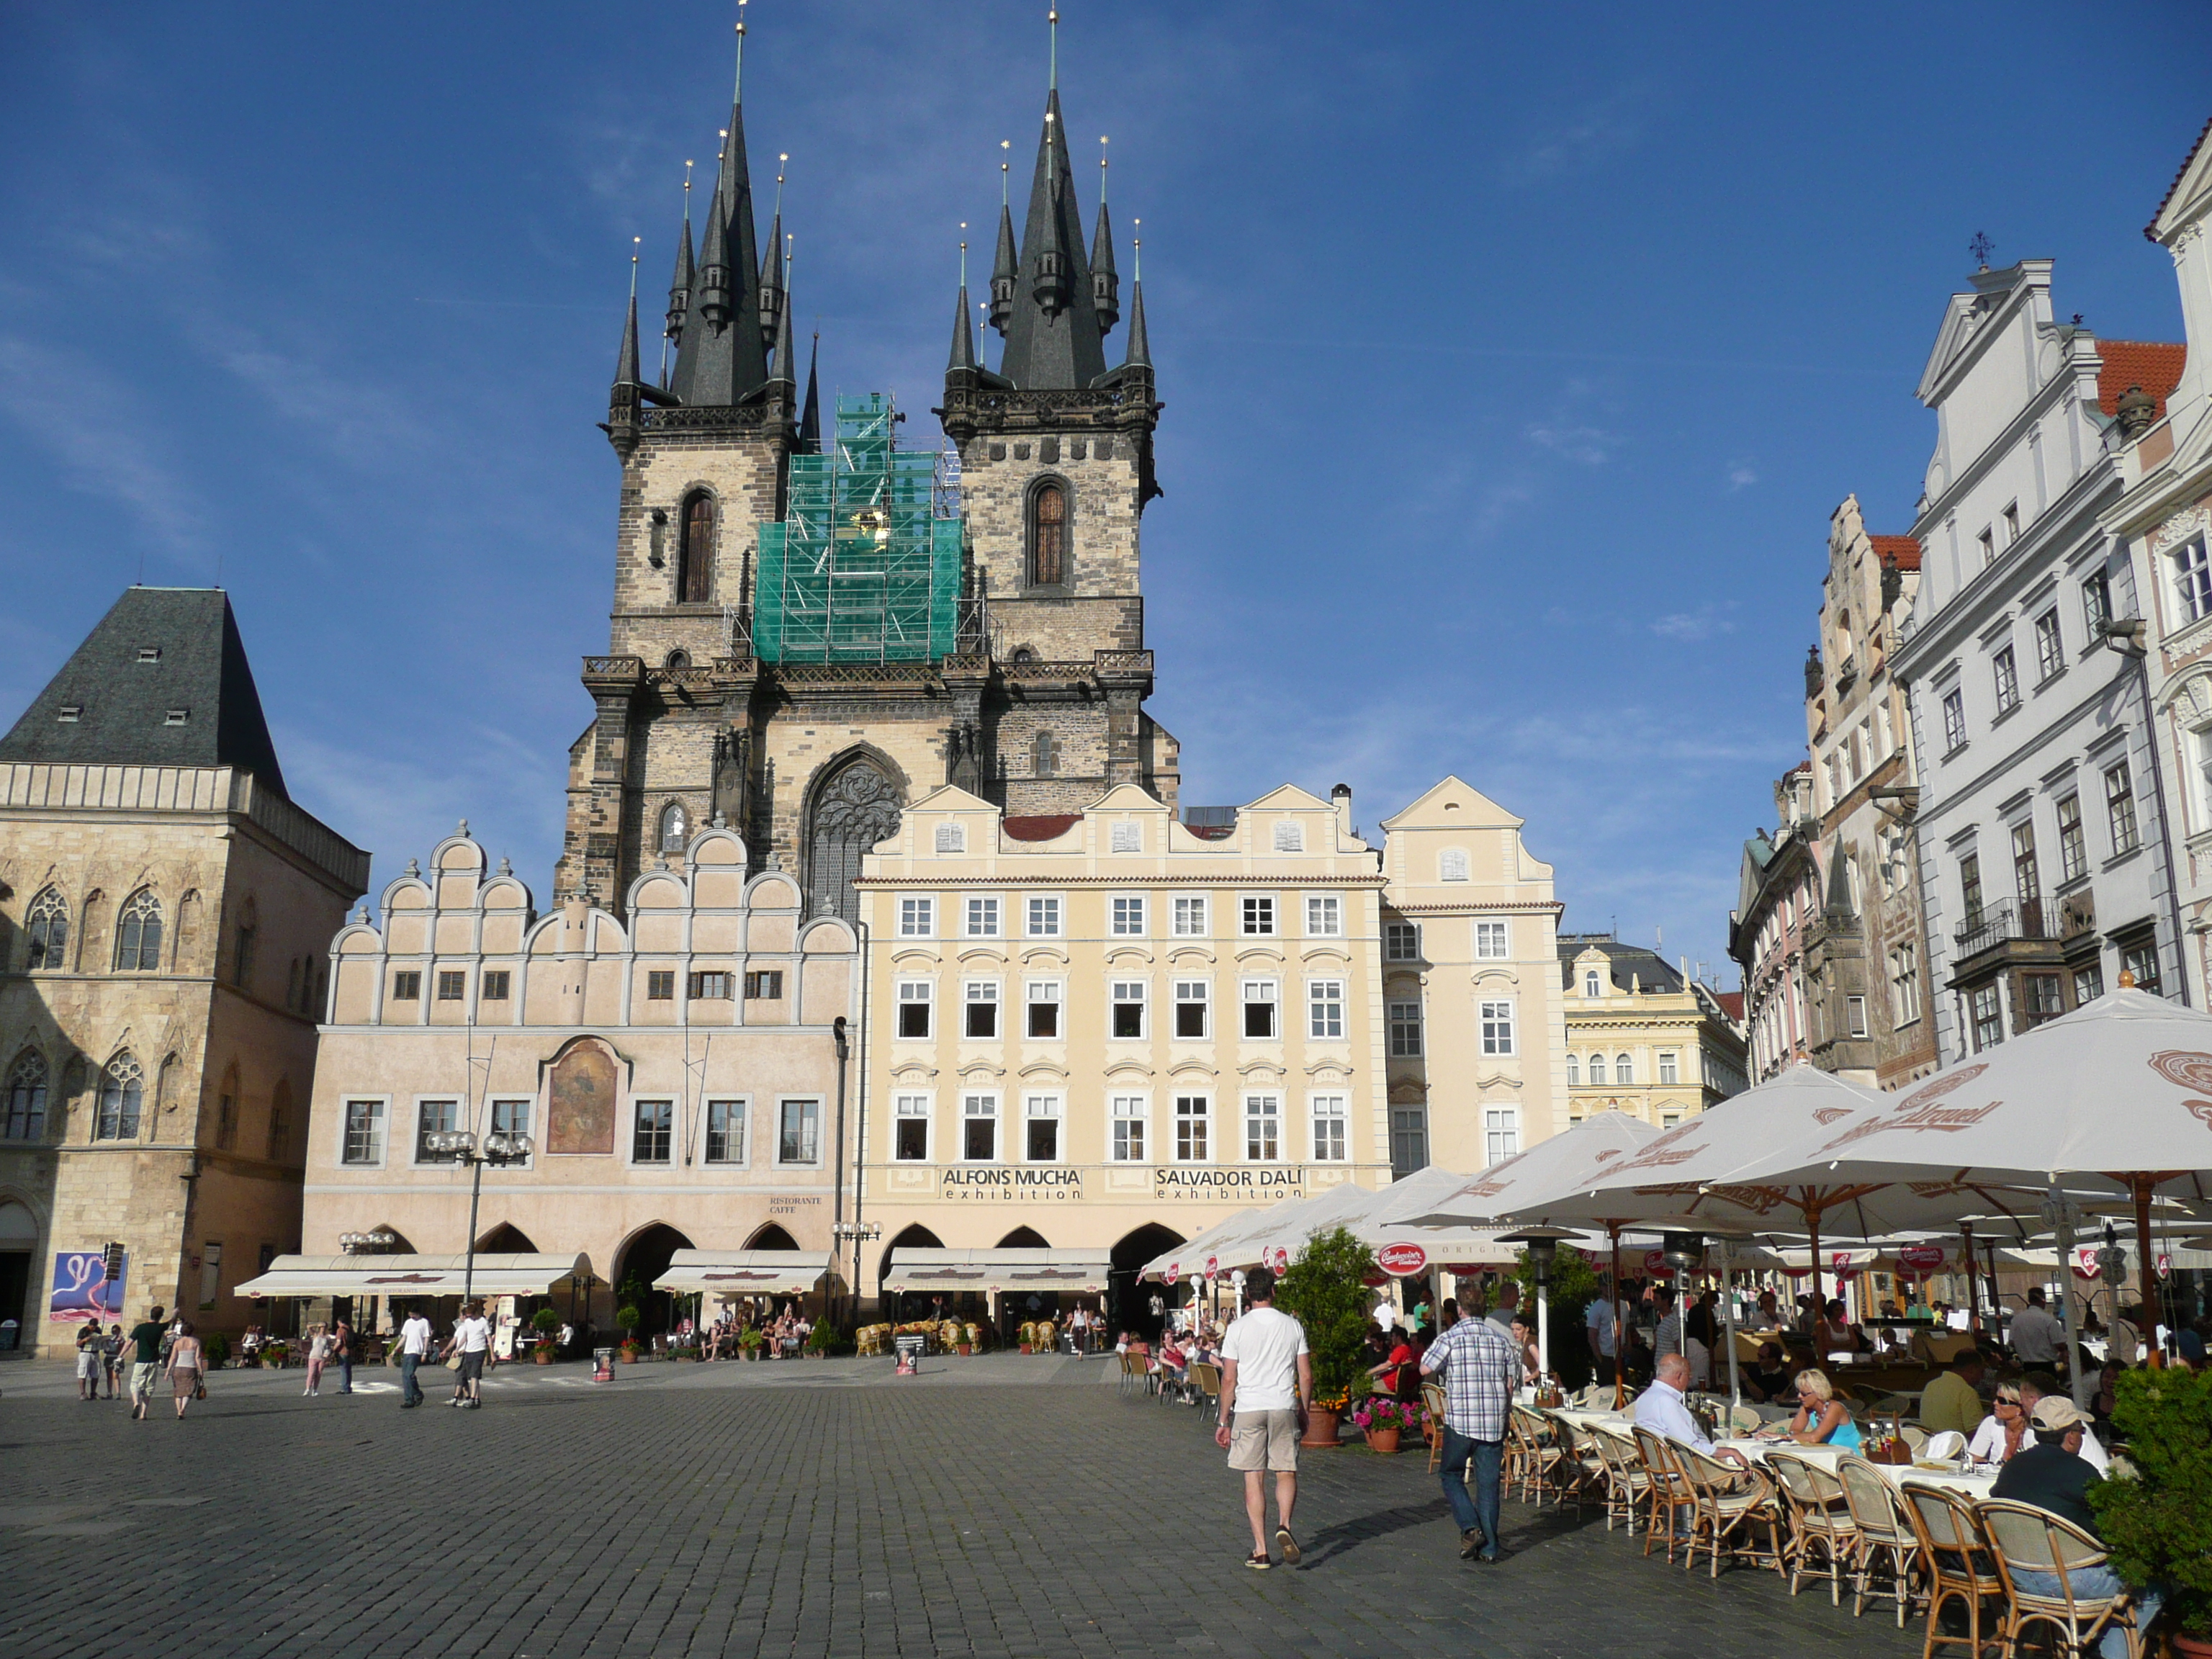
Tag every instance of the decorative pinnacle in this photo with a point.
(737, 93)
(780, 160)
(1051, 18)
(963, 256)
(1137, 242)
(1101, 168)
(687, 193)
(1003, 144)
(634, 242)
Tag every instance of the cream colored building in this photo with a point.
(678, 1074)
(165, 913)
(1470, 985)
(1105, 1029)
(1640, 1038)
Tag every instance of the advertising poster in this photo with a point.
(82, 1290)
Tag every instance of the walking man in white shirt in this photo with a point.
(1267, 1384)
(414, 1349)
(2036, 1339)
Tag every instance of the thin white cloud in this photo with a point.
(1588, 445)
(1591, 136)
(1705, 622)
(1742, 474)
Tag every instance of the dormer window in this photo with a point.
(70, 713)
(1590, 984)
(149, 653)
(177, 717)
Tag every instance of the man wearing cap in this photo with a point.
(2051, 1474)
(2038, 1386)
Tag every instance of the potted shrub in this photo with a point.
(273, 1355)
(1325, 1289)
(819, 1338)
(751, 1343)
(217, 1348)
(2156, 1511)
(629, 1318)
(1028, 1337)
(967, 1343)
(545, 1323)
(1383, 1419)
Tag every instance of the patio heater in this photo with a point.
(2113, 1268)
(1542, 1244)
(1683, 1252)
(500, 1150)
(2059, 1216)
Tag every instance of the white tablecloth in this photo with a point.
(1972, 1482)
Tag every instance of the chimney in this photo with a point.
(1342, 796)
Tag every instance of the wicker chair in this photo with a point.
(1669, 1491)
(1536, 1454)
(1205, 1380)
(1627, 1485)
(1432, 1401)
(1581, 1469)
(1133, 1371)
(1887, 1542)
(1955, 1554)
(1819, 1520)
(2024, 1538)
(1729, 1501)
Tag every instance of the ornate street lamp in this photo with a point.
(500, 1150)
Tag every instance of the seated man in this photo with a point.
(2053, 1475)
(1951, 1401)
(1662, 1409)
(1772, 1377)
(2038, 1386)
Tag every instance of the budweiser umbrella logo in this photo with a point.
(1401, 1260)
(2190, 1070)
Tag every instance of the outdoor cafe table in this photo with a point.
(1967, 1482)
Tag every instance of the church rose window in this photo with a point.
(1048, 537)
(856, 808)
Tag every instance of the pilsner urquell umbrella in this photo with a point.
(2117, 1091)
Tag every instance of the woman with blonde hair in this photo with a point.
(1821, 1420)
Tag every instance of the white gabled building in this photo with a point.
(2044, 858)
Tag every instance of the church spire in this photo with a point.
(1140, 342)
(623, 397)
(810, 417)
(772, 287)
(1002, 267)
(1053, 334)
(1105, 281)
(679, 285)
(726, 361)
(963, 342)
(786, 366)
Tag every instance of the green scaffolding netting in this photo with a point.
(866, 565)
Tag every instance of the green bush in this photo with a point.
(1326, 1291)
(545, 1321)
(630, 1319)
(2157, 1521)
(217, 1349)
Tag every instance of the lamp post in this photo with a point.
(500, 1150)
(838, 1162)
(857, 1232)
(2059, 1216)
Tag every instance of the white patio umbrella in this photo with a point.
(2119, 1092)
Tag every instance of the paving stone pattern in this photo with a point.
(999, 1506)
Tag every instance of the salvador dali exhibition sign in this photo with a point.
(1060, 1183)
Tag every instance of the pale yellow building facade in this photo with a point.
(1639, 1037)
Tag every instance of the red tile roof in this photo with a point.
(1731, 1003)
(1902, 551)
(2154, 367)
(1042, 826)
(2150, 230)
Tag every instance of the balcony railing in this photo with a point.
(1995, 924)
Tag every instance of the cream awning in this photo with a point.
(741, 1273)
(998, 1270)
(417, 1275)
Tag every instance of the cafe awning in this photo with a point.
(417, 1275)
(741, 1273)
(927, 1270)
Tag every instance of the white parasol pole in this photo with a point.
(2060, 1214)
(1728, 1312)
(1543, 1329)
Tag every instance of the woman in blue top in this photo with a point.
(1822, 1419)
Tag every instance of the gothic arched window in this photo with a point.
(122, 1089)
(1047, 756)
(694, 559)
(138, 934)
(49, 929)
(26, 1098)
(675, 828)
(856, 806)
(1048, 536)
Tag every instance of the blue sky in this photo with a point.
(1513, 359)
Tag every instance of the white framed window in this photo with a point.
(1497, 1021)
(1192, 1012)
(2096, 602)
(2050, 647)
(2192, 579)
(1189, 915)
(1041, 1128)
(726, 1131)
(1623, 1069)
(1125, 835)
(2120, 808)
(1129, 1115)
(1451, 864)
(1574, 1072)
(1126, 1009)
(433, 1117)
(1043, 1023)
(1593, 984)
(1401, 941)
(1492, 941)
(910, 1115)
(1328, 1116)
(1954, 719)
(980, 998)
(1191, 1116)
(1324, 917)
(1128, 917)
(1597, 1070)
(2007, 673)
(1044, 916)
(1263, 1128)
(1501, 1134)
(652, 1130)
(979, 1128)
(1259, 914)
(916, 1001)
(1409, 1140)
(1290, 836)
(917, 918)
(1670, 1067)
(1405, 1031)
(982, 918)
(363, 1143)
(1905, 983)
(2073, 850)
(1856, 1011)
(951, 838)
(1259, 999)
(1325, 1009)
(799, 1131)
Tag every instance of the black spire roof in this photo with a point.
(1053, 337)
(162, 680)
(679, 286)
(964, 338)
(810, 417)
(721, 358)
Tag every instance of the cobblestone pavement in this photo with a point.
(994, 1506)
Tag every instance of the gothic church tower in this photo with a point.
(806, 636)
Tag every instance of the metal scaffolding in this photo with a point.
(866, 565)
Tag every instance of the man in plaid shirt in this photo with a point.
(1481, 1369)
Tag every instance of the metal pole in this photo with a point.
(837, 1185)
(1973, 1289)
(1727, 1313)
(1619, 1327)
(860, 1133)
(2155, 1356)
(476, 1190)
(1543, 1328)
(2062, 1221)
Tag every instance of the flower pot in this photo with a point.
(543, 1357)
(1320, 1429)
(629, 1356)
(2190, 1647)
(966, 1349)
(1026, 1347)
(1385, 1441)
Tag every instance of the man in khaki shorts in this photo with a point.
(1266, 1383)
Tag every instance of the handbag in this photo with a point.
(199, 1388)
(453, 1360)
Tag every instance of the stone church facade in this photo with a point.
(1026, 688)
